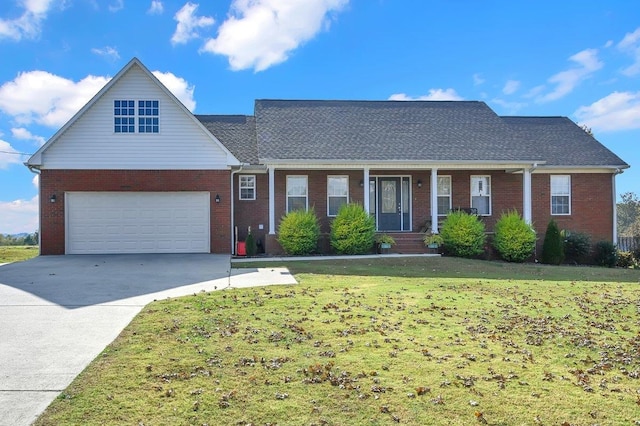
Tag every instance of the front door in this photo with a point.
(389, 204)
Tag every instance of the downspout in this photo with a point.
(32, 169)
(615, 206)
(233, 204)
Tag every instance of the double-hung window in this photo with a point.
(337, 193)
(481, 194)
(561, 194)
(131, 116)
(297, 193)
(444, 195)
(247, 187)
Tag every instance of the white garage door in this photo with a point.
(137, 222)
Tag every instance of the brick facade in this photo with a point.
(591, 202)
(52, 215)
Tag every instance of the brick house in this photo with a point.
(134, 171)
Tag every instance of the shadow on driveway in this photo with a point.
(84, 280)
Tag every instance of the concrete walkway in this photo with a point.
(57, 313)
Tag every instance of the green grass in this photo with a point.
(17, 253)
(352, 345)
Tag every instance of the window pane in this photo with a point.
(444, 185)
(297, 203)
(297, 186)
(560, 185)
(335, 203)
(560, 204)
(443, 205)
(337, 186)
(480, 203)
(372, 197)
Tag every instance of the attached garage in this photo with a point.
(137, 222)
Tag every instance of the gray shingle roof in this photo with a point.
(422, 131)
(561, 142)
(382, 130)
(236, 132)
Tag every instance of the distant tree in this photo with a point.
(629, 215)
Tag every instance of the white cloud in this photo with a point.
(24, 134)
(189, 23)
(179, 87)
(19, 216)
(510, 108)
(434, 95)
(617, 111)
(510, 87)
(36, 181)
(28, 24)
(111, 53)
(631, 44)
(477, 79)
(156, 8)
(262, 33)
(9, 156)
(116, 6)
(45, 98)
(565, 81)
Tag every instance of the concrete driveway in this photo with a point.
(57, 313)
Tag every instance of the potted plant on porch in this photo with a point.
(384, 242)
(432, 240)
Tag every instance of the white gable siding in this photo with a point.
(91, 143)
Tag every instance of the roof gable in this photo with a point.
(100, 107)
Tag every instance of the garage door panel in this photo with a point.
(141, 222)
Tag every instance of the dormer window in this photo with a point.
(129, 114)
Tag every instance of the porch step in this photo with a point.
(408, 243)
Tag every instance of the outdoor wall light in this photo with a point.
(217, 199)
(419, 183)
(361, 183)
(53, 198)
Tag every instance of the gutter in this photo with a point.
(36, 171)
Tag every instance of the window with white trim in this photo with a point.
(337, 193)
(481, 194)
(444, 195)
(128, 112)
(560, 194)
(247, 187)
(297, 193)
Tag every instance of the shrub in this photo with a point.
(514, 239)
(463, 235)
(299, 232)
(352, 231)
(636, 255)
(250, 245)
(625, 259)
(605, 254)
(577, 247)
(553, 247)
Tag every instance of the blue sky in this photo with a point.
(569, 58)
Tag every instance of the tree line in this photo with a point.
(629, 215)
(19, 240)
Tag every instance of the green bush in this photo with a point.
(636, 255)
(299, 232)
(463, 235)
(577, 247)
(625, 259)
(352, 231)
(605, 254)
(514, 239)
(553, 246)
(250, 245)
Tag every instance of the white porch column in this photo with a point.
(615, 208)
(526, 196)
(434, 201)
(365, 179)
(272, 202)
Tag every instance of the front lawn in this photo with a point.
(431, 342)
(17, 253)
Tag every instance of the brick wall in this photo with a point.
(52, 232)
